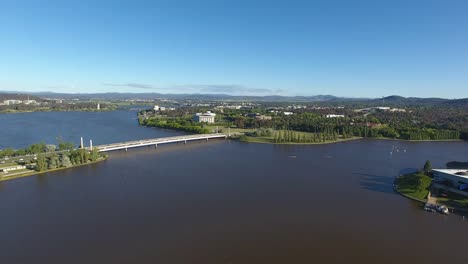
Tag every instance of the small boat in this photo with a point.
(442, 209)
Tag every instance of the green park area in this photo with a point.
(415, 185)
(40, 158)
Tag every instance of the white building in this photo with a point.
(454, 178)
(156, 108)
(334, 116)
(288, 113)
(207, 117)
(29, 101)
(12, 102)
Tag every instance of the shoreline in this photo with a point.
(423, 140)
(249, 140)
(55, 110)
(33, 173)
(348, 139)
(455, 210)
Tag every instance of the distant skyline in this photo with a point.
(344, 48)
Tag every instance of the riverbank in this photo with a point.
(270, 140)
(4, 177)
(422, 140)
(418, 187)
(13, 111)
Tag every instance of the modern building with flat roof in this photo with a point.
(454, 178)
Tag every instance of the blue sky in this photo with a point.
(346, 48)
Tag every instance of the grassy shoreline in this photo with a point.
(266, 140)
(417, 186)
(413, 185)
(33, 173)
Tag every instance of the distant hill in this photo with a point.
(392, 101)
(19, 96)
(152, 96)
(457, 103)
(400, 100)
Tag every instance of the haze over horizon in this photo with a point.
(349, 49)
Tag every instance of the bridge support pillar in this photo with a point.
(206, 139)
(185, 141)
(155, 145)
(125, 149)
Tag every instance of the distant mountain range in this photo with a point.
(146, 96)
(393, 100)
(19, 96)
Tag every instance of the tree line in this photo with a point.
(175, 124)
(66, 159)
(48, 156)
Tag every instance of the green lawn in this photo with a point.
(225, 130)
(415, 185)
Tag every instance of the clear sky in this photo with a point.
(368, 48)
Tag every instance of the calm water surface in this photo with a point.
(22, 129)
(222, 202)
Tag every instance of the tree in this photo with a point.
(427, 167)
(50, 148)
(66, 145)
(41, 163)
(65, 161)
(6, 152)
(94, 155)
(53, 162)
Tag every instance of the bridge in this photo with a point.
(156, 141)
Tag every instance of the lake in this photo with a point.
(220, 201)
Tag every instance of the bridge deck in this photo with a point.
(156, 141)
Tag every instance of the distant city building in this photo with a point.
(397, 110)
(288, 113)
(98, 106)
(207, 117)
(12, 102)
(384, 108)
(381, 108)
(334, 116)
(260, 117)
(29, 101)
(156, 108)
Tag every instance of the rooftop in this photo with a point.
(459, 173)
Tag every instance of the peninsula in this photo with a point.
(447, 187)
(42, 158)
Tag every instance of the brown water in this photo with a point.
(231, 202)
